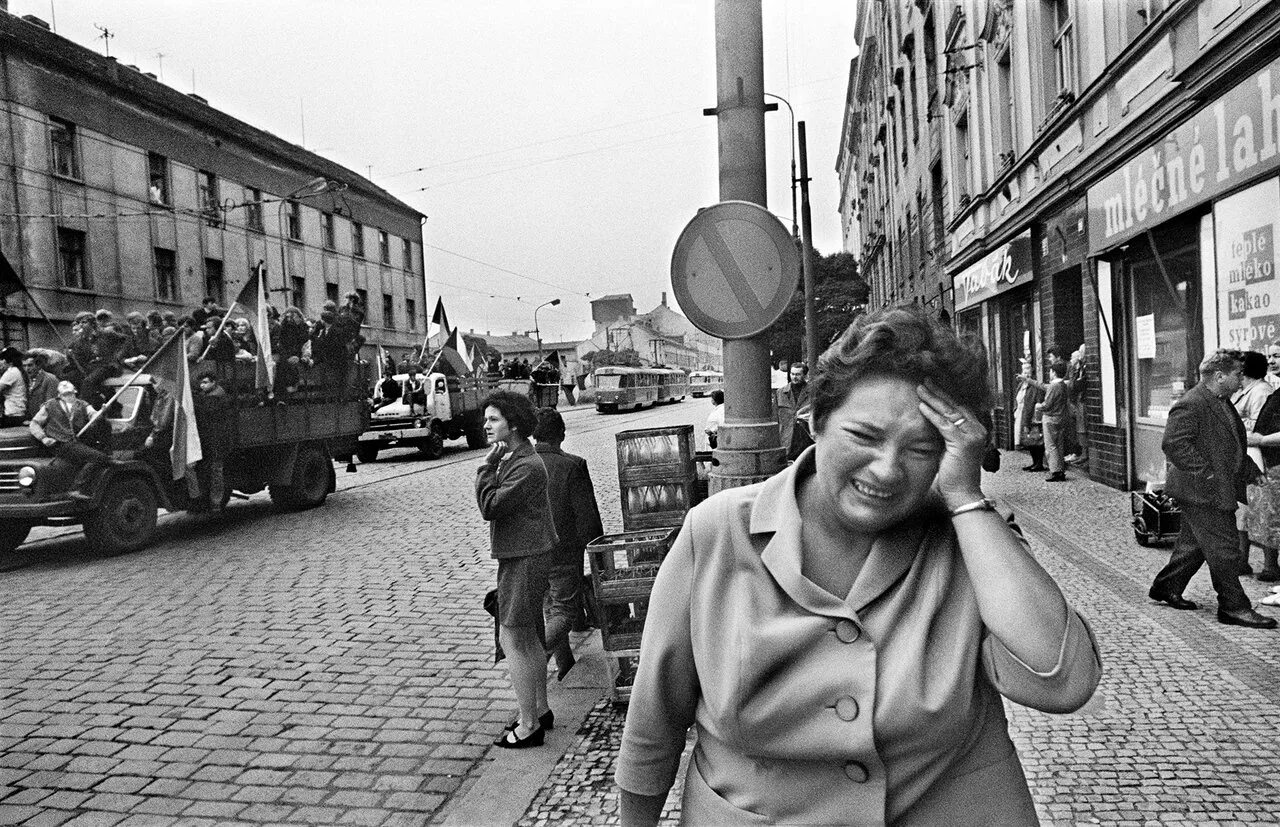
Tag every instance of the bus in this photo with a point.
(703, 382)
(630, 389)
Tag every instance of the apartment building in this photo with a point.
(1104, 173)
(119, 192)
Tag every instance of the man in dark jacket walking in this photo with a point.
(577, 520)
(1204, 442)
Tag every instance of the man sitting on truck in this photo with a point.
(58, 424)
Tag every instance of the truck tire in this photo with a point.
(12, 535)
(476, 437)
(125, 519)
(432, 447)
(367, 452)
(309, 487)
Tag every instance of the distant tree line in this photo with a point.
(840, 295)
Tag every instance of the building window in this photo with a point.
(253, 214)
(298, 292)
(166, 274)
(331, 292)
(384, 247)
(1064, 48)
(388, 310)
(961, 153)
(408, 255)
(939, 216)
(326, 230)
(293, 220)
(357, 239)
(363, 296)
(157, 178)
(1004, 104)
(411, 313)
(208, 183)
(62, 138)
(214, 282)
(71, 259)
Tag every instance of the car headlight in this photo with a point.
(26, 476)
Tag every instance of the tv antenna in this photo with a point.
(105, 37)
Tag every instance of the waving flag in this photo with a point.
(170, 364)
(439, 317)
(253, 300)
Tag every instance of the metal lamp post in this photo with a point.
(536, 331)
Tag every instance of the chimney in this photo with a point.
(35, 21)
(200, 98)
(664, 298)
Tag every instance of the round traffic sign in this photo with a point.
(734, 269)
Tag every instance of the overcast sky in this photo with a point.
(557, 148)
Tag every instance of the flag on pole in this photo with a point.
(439, 317)
(452, 340)
(253, 300)
(170, 364)
(466, 358)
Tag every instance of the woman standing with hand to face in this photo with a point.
(511, 489)
(840, 634)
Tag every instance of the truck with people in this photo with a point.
(285, 445)
(430, 409)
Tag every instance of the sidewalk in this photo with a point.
(1182, 729)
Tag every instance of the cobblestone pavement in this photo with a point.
(332, 666)
(328, 666)
(1183, 729)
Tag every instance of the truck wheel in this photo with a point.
(125, 520)
(366, 452)
(12, 535)
(476, 438)
(432, 447)
(310, 484)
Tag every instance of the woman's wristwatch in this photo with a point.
(983, 504)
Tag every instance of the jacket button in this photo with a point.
(856, 772)
(848, 631)
(847, 708)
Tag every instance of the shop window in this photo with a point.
(1166, 324)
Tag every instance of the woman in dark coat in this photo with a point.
(511, 490)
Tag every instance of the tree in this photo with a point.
(840, 295)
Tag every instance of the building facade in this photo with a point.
(659, 337)
(121, 193)
(1109, 179)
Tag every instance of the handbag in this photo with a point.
(991, 459)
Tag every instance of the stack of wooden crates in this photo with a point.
(658, 483)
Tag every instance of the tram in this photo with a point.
(630, 389)
(703, 382)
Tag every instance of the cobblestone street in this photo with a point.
(335, 666)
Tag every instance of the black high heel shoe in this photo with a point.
(510, 741)
(546, 720)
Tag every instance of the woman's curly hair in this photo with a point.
(905, 343)
(519, 412)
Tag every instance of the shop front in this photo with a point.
(995, 301)
(1182, 237)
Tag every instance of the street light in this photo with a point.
(795, 228)
(536, 331)
(316, 186)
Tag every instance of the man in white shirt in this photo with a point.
(59, 425)
(13, 388)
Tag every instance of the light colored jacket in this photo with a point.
(881, 708)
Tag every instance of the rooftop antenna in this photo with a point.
(160, 58)
(105, 37)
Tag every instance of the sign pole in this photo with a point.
(747, 449)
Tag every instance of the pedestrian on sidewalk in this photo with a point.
(1248, 402)
(840, 635)
(1029, 433)
(1263, 521)
(576, 517)
(1204, 442)
(1054, 417)
(511, 490)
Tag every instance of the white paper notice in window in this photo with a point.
(1144, 334)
